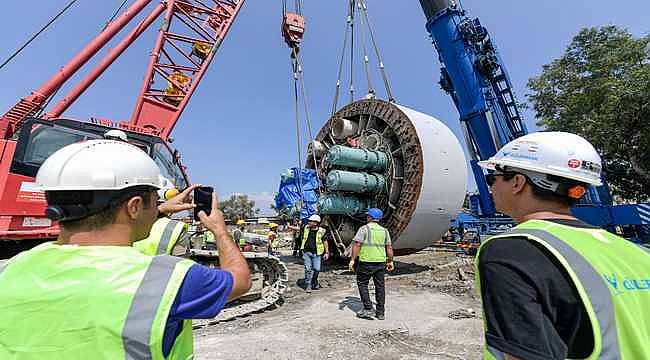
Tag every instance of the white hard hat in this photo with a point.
(315, 218)
(115, 134)
(561, 154)
(98, 165)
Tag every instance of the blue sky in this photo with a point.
(238, 131)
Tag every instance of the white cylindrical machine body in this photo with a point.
(425, 177)
(444, 182)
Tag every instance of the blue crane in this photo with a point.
(475, 77)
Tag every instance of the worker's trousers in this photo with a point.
(376, 271)
(297, 242)
(312, 268)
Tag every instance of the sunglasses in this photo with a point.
(491, 178)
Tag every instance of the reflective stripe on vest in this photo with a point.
(373, 248)
(320, 246)
(144, 307)
(617, 311)
(120, 299)
(164, 235)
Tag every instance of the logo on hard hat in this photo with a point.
(591, 166)
(574, 163)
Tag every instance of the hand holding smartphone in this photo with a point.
(202, 200)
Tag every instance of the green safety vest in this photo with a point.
(90, 302)
(373, 247)
(208, 236)
(242, 239)
(164, 235)
(275, 240)
(320, 246)
(612, 277)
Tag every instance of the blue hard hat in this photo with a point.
(375, 213)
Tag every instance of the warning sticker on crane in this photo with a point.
(36, 222)
(30, 192)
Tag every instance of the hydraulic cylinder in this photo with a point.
(341, 205)
(357, 158)
(339, 180)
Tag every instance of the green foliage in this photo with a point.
(238, 207)
(600, 89)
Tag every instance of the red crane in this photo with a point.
(191, 33)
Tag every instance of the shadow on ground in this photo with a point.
(351, 302)
(404, 268)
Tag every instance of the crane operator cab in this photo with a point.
(22, 204)
(38, 139)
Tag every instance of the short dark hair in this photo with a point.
(107, 215)
(560, 195)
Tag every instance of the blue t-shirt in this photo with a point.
(202, 295)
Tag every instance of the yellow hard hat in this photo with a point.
(273, 225)
(171, 193)
(241, 222)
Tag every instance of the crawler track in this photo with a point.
(269, 277)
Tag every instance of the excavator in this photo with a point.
(190, 36)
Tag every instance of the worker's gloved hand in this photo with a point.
(179, 202)
(390, 266)
(351, 265)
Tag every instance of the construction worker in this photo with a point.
(313, 248)
(238, 234)
(272, 238)
(554, 287)
(166, 233)
(373, 246)
(209, 241)
(91, 294)
(298, 229)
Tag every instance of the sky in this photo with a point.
(238, 131)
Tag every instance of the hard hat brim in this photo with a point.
(491, 165)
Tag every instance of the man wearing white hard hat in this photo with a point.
(165, 233)
(91, 294)
(554, 287)
(313, 247)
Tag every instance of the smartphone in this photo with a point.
(203, 200)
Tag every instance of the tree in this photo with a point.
(600, 89)
(238, 207)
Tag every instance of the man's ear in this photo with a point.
(134, 207)
(518, 184)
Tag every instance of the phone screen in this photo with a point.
(203, 200)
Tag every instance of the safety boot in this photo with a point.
(365, 314)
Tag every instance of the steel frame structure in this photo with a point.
(475, 77)
(188, 25)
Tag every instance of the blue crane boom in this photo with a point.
(475, 77)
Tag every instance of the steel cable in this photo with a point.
(364, 9)
(33, 37)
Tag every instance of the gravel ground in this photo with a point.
(431, 313)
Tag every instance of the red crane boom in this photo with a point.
(191, 33)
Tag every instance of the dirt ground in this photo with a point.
(431, 313)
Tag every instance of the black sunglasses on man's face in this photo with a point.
(491, 178)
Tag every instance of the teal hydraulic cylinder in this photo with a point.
(357, 158)
(341, 205)
(339, 180)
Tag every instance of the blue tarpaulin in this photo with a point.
(288, 197)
